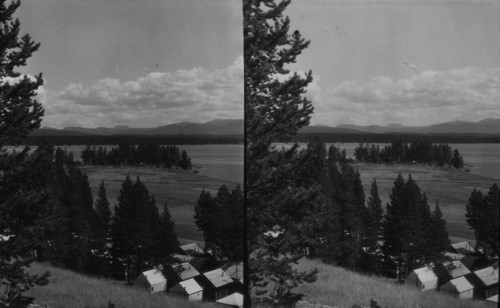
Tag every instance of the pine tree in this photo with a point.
(492, 234)
(166, 242)
(101, 234)
(204, 211)
(437, 239)
(475, 213)
(373, 230)
(274, 109)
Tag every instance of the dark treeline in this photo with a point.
(143, 154)
(132, 139)
(76, 233)
(221, 219)
(390, 137)
(415, 152)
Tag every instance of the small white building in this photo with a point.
(459, 269)
(232, 300)
(459, 287)
(153, 281)
(189, 289)
(454, 256)
(463, 247)
(191, 249)
(423, 278)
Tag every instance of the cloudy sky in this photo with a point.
(413, 62)
(155, 62)
(138, 63)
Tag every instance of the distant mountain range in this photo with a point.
(214, 127)
(235, 127)
(487, 126)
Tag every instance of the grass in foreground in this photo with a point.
(342, 288)
(69, 289)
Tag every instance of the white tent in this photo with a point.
(187, 288)
(152, 280)
(423, 278)
(232, 300)
(459, 287)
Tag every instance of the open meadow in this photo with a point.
(450, 187)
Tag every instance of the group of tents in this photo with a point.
(194, 279)
(468, 276)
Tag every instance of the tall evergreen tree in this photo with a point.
(204, 210)
(101, 234)
(475, 213)
(166, 242)
(22, 214)
(493, 230)
(373, 231)
(274, 108)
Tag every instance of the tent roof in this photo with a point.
(235, 299)
(191, 247)
(489, 275)
(234, 270)
(189, 286)
(463, 245)
(460, 284)
(186, 271)
(425, 274)
(459, 269)
(218, 277)
(154, 276)
(494, 299)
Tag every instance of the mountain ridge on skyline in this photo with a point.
(235, 127)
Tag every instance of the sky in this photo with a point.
(409, 62)
(155, 62)
(138, 63)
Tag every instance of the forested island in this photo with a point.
(151, 154)
(422, 152)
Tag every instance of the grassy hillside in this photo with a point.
(339, 287)
(68, 289)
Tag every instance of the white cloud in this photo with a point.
(159, 98)
(429, 97)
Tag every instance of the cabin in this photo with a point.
(188, 289)
(153, 281)
(181, 272)
(234, 270)
(232, 300)
(485, 283)
(191, 249)
(459, 287)
(423, 278)
(454, 256)
(462, 248)
(459, 270)
(182, 258)
(216, 284)
(492, 301)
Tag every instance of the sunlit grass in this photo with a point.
(68, 289)
(342, 288)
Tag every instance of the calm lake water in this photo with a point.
(481, 158)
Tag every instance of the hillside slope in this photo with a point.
(342, 288)
(68, 289)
